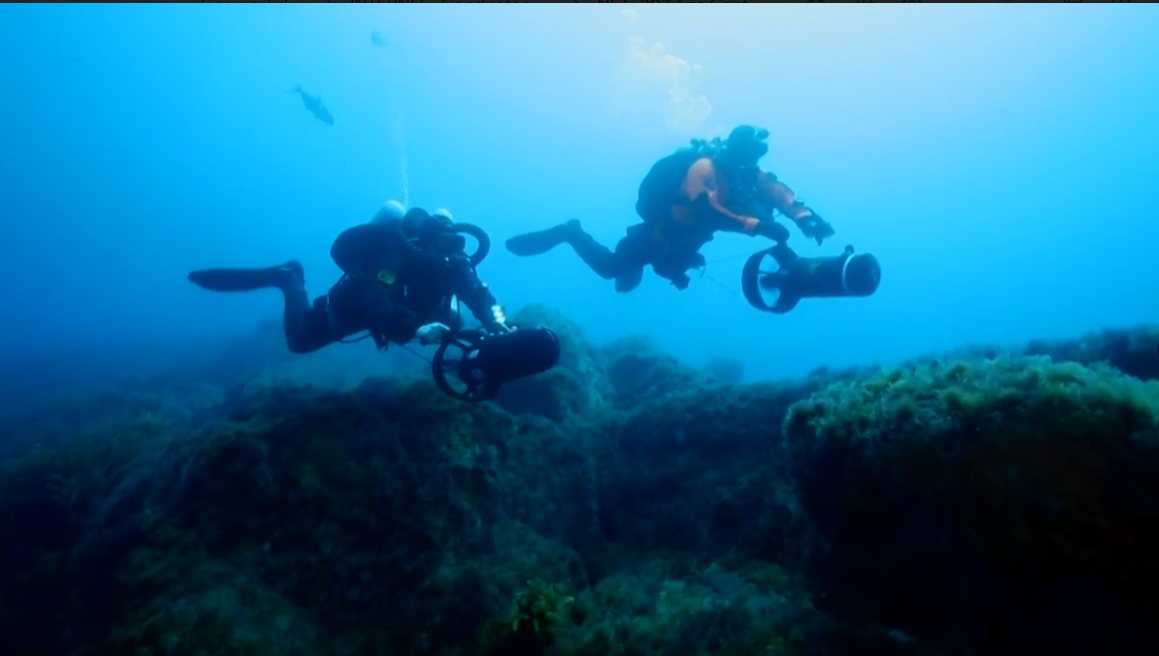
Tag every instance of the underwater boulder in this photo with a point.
(1006, 506)
(729, 371)
(209, 607)
(638, 371)
(389, 515)
(70, 512)
(663, 607)
(1133, 351)
(700, 471)
(550, 476)
(625, 502)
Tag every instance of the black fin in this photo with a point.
(539, 242)
(238, 280)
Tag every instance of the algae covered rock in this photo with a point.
(699, 470)
(345, 504)
(369, 521)
(638, 371)
(665, 608)
(1003, 506)
(549, 477)
(530, 627)
(210, 607)
(63, 533)
(1133, 351)
(729, 371)
(625, 504)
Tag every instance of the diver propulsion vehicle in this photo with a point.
(776, 279)
(471, 365)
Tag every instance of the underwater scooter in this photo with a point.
(794, 277)
(483, 362)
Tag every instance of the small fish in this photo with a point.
(314, 105)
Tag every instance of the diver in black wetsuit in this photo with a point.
(401, 273)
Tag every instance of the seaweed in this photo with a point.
(625, 504)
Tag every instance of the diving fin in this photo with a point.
(542, 241)
(247, 280)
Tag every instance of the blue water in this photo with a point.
(1000, 160)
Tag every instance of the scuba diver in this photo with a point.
(684, 200)
(711, 186)
(402, 274)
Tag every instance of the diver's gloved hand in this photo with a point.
(496, 324)
(815, 227)
(696, 261)
(432, 333)
(770, 229)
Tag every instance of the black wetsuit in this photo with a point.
(391, 287)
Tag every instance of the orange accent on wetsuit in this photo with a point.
(703, 179)
(778, 195)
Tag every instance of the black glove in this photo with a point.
(773, 230)
(815, 227)
(401, 325)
